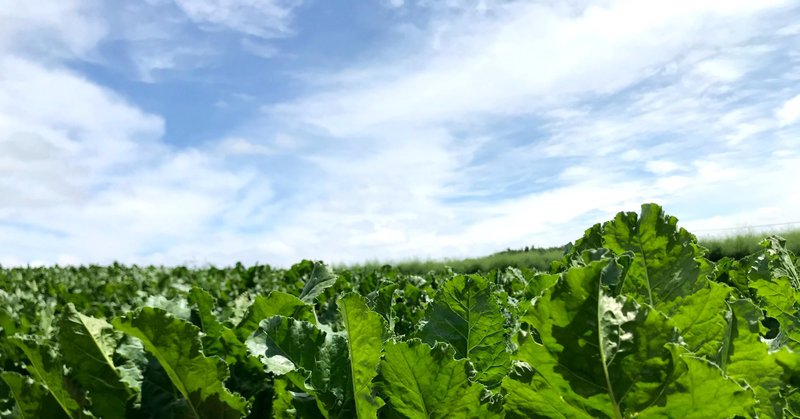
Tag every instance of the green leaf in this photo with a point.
(176, 345)
(275, 304)
(289, 404)
(320, 279)
(160, 399)
(285, 344)
(747, 358)
(774, 261)
(773, 279)
(382, 301)
(33, 400)
(248, 377)
(332, 379)
(341, 366)
(46, 367)
(365, 331)
(419, 381)
(790, 362)
(466, 315)
(601, 353)
(700, 391)
(669, 273)
(203, 314)
(530, 395)
(131, 360)
(702, 319)
(282, 403)
(87, 347)
(665, 264)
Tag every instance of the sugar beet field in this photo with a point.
(633, 321)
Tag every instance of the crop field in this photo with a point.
(632, 320)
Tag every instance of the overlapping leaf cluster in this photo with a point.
(633, 321)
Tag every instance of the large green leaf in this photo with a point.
(176, 345)
(382, 301)
(365, 331)
(87, 348)
(531, 394)
(666, 262)
(466, 315)
(702, 319)
(332, 380)
(310, 358)
(747, 358)
(341, 366)
(773, 279)
(774, 261)
(601, 353)
(275, 304)
(248, 377)
(790, 362)
(285, 344)
(320, 279)
(203, 312)
(33, 400)
(668, 272)
(419, 381)
(47, 368)
(699, 390)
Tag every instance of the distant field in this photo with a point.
(735, 246)
(739, 245)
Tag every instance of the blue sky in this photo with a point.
(216, 131)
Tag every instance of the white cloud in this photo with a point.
(720, 70)
(53, 29)
(529, 57)
(396, 3)
(789, 112)
(150, 60)
(662, 167)
(241, 146)
(85, 177)
(48, 136)
(261, 18)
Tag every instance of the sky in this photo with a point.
(268, 131)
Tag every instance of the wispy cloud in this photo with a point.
(262, 18)
(51, 30)
(789, 112)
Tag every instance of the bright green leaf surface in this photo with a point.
(601, 353)
(321, 278)
(365, 334)
(87, 347)
(702, 319)
(423, 382)
(465, 315)
(747, 358)
(285, 344)
(664, 266)
(176, 345)
(275, 304)
(700, 391)
(204, 311)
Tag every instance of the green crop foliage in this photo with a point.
(635, 319)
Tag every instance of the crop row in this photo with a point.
(633, 321)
